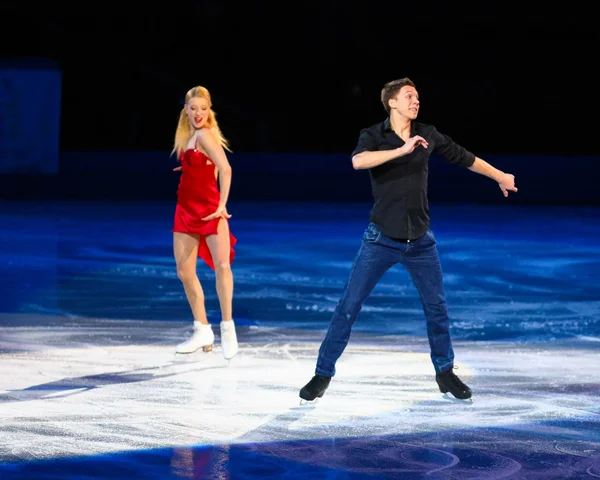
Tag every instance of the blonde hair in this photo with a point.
(184, 129)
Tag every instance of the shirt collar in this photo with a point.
(387, 125)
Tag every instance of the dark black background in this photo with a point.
(305, 77)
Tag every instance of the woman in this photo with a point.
(200, 226)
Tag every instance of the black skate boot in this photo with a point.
(315, 388)
(449, 382)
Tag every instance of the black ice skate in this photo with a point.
(314, 389)
(449, 382)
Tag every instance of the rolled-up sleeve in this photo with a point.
(367, 142)
(451, 151)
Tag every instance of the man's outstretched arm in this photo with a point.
(506, 181)
(456, 154)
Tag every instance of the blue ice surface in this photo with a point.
(511, 272)
(532, 452)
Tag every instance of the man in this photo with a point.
(396, 153)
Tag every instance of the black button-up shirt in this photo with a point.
(401, 209)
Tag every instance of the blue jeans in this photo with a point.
(375, 257)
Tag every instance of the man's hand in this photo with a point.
(413, 143)
(221, 211)
(177, 169)
(506, 183)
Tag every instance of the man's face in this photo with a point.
(406, 102)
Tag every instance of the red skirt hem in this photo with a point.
(211, 228)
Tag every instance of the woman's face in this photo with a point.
(197, 109)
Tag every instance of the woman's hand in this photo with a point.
(221, 211)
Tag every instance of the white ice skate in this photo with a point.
(202, 338)
(229, 343)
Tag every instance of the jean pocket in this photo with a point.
(371, 234)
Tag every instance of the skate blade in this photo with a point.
(309, 403)
(230, 361)
(205, 348)
(198, 354)
(452, 398)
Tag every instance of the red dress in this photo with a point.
(198, 197)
